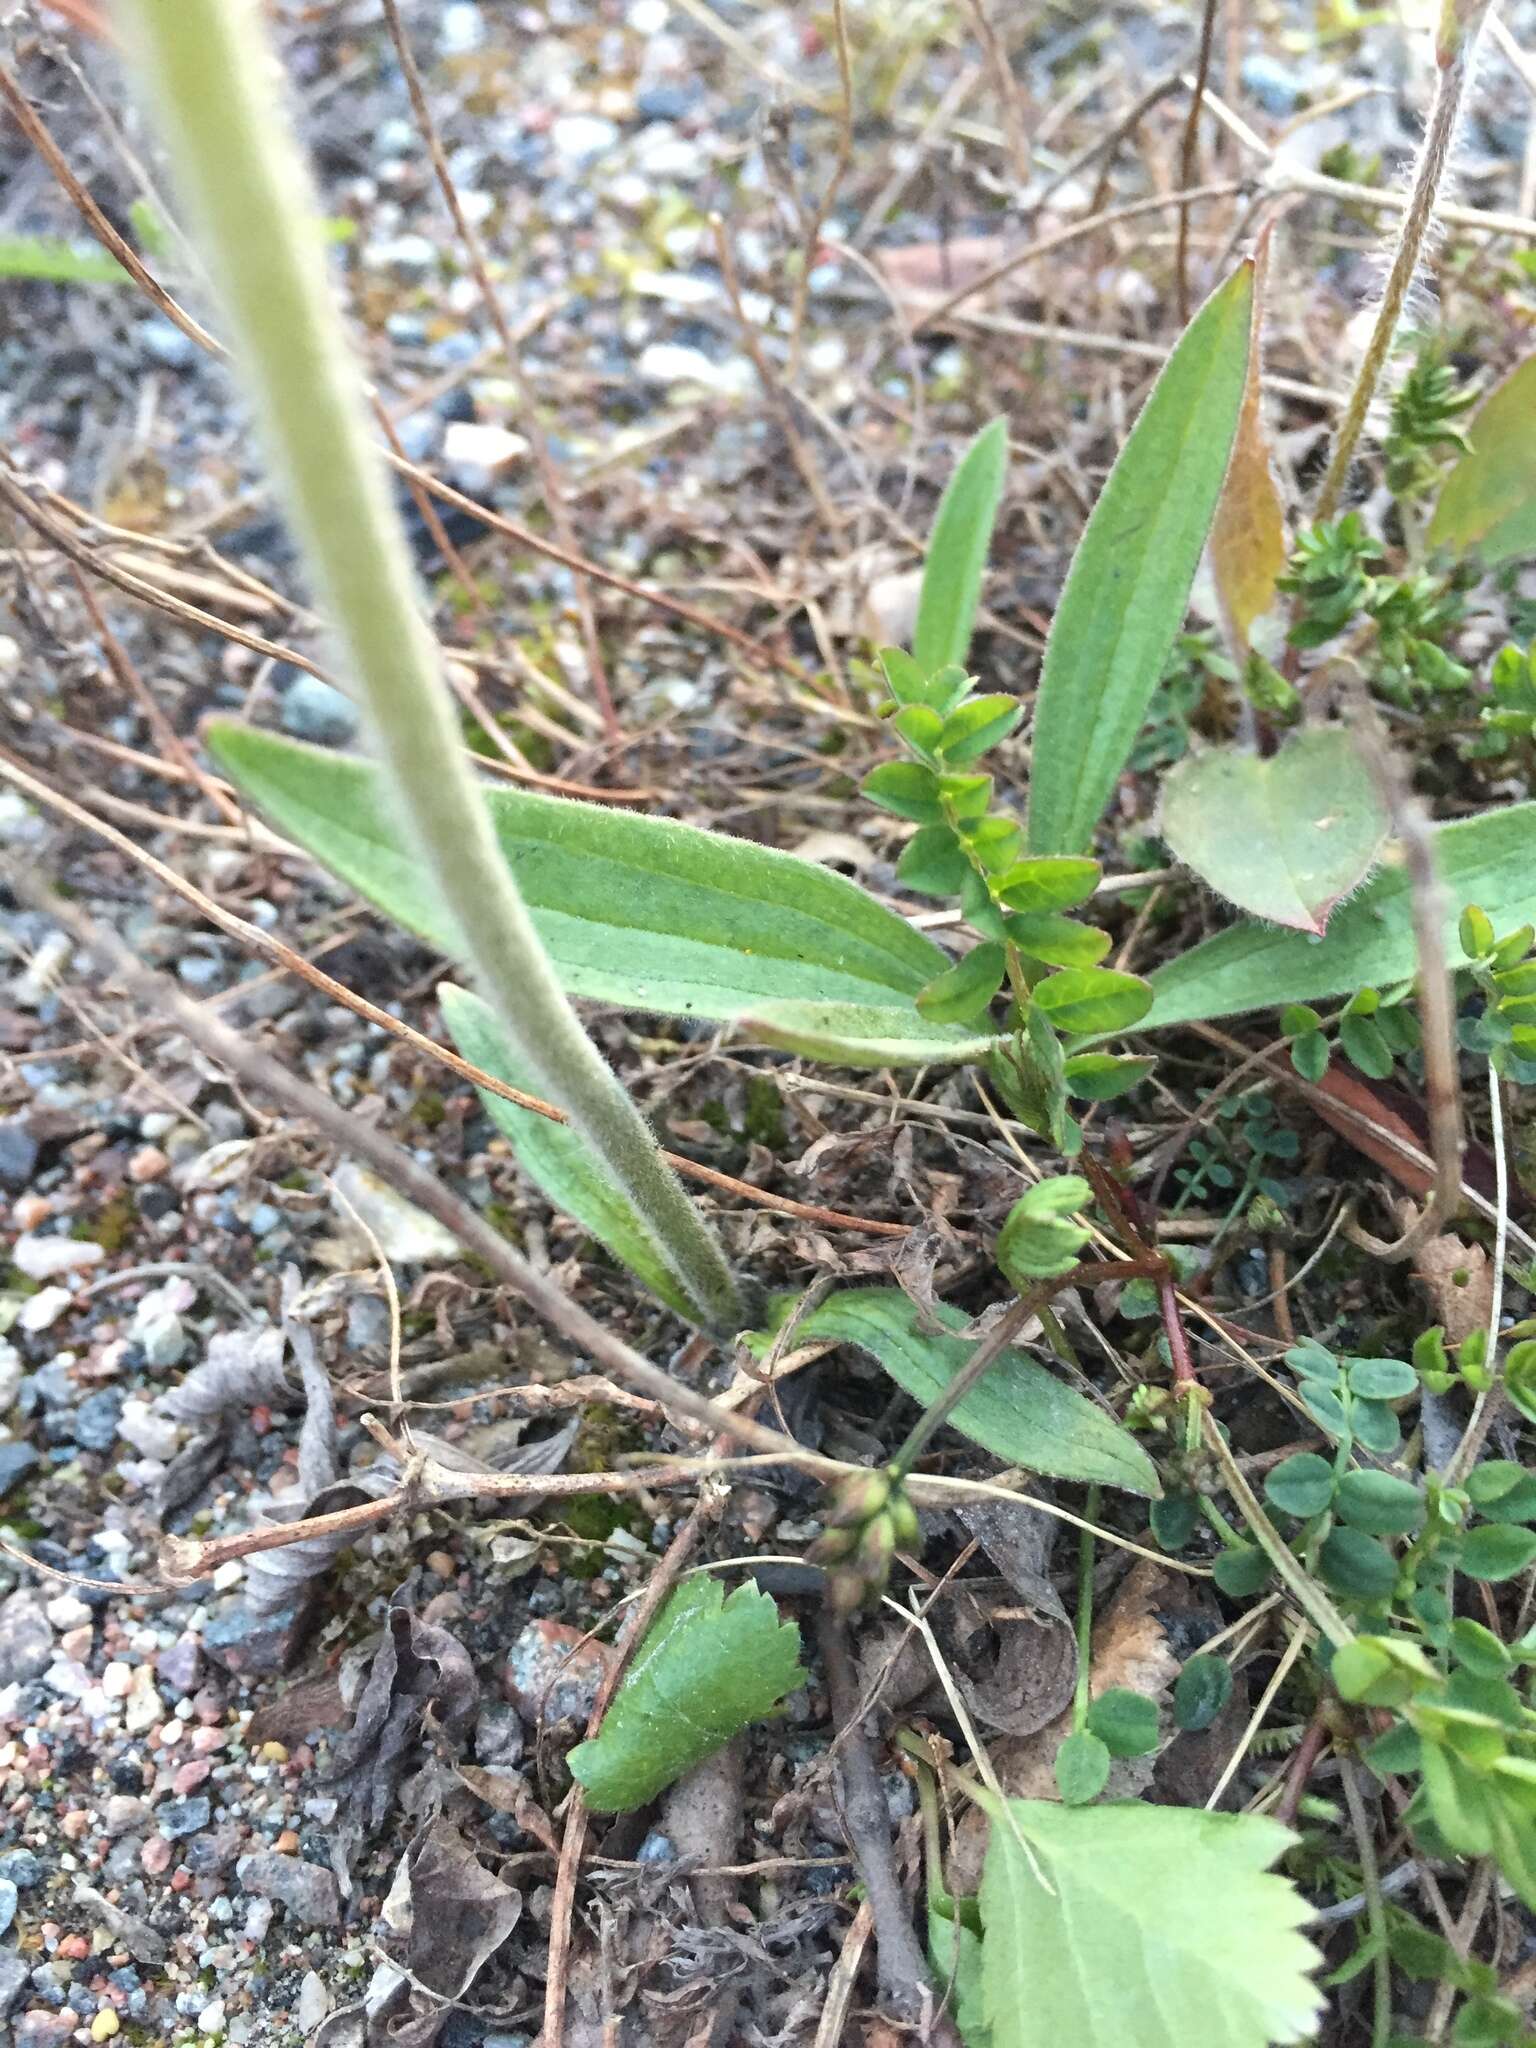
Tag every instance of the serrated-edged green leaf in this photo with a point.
(1284, 836)
(1379, 1502)
(1488, 859)
(975, 727)
(1019, 1411)
(1093, 999)
(957, 551)
(1086, 1941)
(1101, 1076)
(933, 862)
(641, 912)
(1056, 941)
(1488, 502)
(1049, 881)
(1128, 587)
(907, 788)
(1497, 1550)
(708, 1666)
(554, 1156)
(963, 992)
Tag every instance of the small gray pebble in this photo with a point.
(7, 1903)
(96, 1420)
(181, 1817)
(312, 710)
(20, 1868)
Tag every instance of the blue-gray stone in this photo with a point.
(16, 1461)
(312, 710)
(1278, 88)
(20, 1868)
(164, 343)
(18, 1154)
(96, 1420)
(180, 1817)
(7, 1903)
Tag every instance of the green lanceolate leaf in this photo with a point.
(1489, 499)
(1104, 1925)
(553, 1156)
(1489, 860)
(637, 911)
(955, 1950)
(957, 551)
(1019, 1411)
(1285, 837)
(708, 1666)
(1128, 586)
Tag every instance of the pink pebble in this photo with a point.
(155, 1856)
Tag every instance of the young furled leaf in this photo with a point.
(1160, 1925)
(1489, 499)
(708, 1666)
(556, 1158)
(1287, 836)
(957, 551)
(1128, 587)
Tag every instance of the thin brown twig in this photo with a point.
(906, 1986)
(126, 672)
(284, 956)
(549, 475)
(775, 390)
(1109, 216)
(1437, 996)
(258, 1070)
(1189, 148)
(36, 132)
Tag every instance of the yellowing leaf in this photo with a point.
(1488, 501)
(1248, 544)
(1158, 1925)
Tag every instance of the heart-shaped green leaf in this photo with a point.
(1286, 838)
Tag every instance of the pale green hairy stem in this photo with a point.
(216, 86)
(1455, 48)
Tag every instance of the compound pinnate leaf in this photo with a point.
(957, 551)
(1487, 860)
(1285, 837)
(1488, 501)
(1020, 1411)
(1128, 587)
(556, 1158)
(642, 912)
(1153, 1924)
(708, 1666)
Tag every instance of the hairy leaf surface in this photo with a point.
(1128, 587)
(708, 1667)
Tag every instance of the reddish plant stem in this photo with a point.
(1308, 1750)
(1173, 1330)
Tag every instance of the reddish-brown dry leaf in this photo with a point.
(1361, 1114)
(1248, 542)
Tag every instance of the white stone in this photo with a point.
(477, 449)
(668, 362)
(576, 138)
(43, 1309)
(43, 1258)
(405, 1233)
(148, 1432)
(67, 1611)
